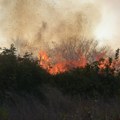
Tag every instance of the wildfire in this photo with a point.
(113, 66)
(62, 66)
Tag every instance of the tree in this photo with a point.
(117, 54)
(20, 73)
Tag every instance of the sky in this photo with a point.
(32, 23)
(110, 23)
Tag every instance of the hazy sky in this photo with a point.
(31, 20)
(110, 23)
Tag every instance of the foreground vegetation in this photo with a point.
(73, 95)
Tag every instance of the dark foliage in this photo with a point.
(88, 82)
(20, 74)
(24, 74)
(117, 54)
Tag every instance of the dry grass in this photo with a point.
(58, 107)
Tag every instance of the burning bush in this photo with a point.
(72, 76)
(73, 53)
(75, 74)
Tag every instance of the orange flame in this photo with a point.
(44, 60)
(100, 55)
(114, 66)
(62, 66)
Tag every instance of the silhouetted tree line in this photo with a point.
(22, 74)
(87, 82)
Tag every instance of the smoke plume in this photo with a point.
(37, 24)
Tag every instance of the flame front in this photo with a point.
(63, 66)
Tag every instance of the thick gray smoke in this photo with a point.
(36, 24)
